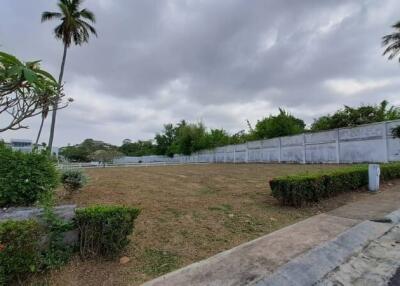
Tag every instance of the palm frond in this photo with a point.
(73, 27)
(50, 16)
(87, 26)
(87, 14)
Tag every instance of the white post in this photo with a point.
(337, 147)
(247, 153)
(304, 148)
(280, 150)
(385, 137)
(373, 177)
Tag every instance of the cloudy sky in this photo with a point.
(219, 62)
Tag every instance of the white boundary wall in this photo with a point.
(362, 144)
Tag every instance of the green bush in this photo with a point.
(299, 189)
(104, 230)
(73, 180)
(19, 249)
(24, 177)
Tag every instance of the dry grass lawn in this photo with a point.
(189, 212)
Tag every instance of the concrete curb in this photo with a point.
(310, 267)
(394, 217)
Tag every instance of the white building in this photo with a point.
(23, 145)
(26, 146)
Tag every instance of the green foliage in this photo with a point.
(23, 249)
(105, 156)
(349, 116)
(55, 253)
(25, 91)
(104, 230)
(392, 42)
(24, 177)
(187, 138)
(75, 26)
(159, 262)
(296, 190)
(73, 179)
(139, 148)
(82, 152)
(283, 124)
(396, 132)
(19, 249)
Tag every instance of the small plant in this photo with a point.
(19, 249)
(396, 132)
(73, 180)
(24, 177)
(104, 230)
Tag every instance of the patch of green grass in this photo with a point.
(159, 262)
(223, 207)
(244, 224)
(206, 190)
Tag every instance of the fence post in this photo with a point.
(385, 136)
(234, 154)
(304, 148)
(280, 150)
(337, 147)
(247, 153)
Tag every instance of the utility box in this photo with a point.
(373, 177)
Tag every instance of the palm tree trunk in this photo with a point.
(40, 131)
(54, 115)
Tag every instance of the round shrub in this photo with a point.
(73, 180)
(24, 177)
(19, 249)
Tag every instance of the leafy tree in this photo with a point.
(82, 152)
(74, 28)
(139, 148)
(166, 139)
(190, 138)
(392, 42)
(216, 138)
(25, 91)
(349, 116)
(105, 156)
(283, 124)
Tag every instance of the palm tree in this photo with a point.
(74, 28)
(392, 42)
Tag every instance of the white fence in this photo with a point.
(362, 144)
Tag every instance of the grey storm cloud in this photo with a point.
(221, 62)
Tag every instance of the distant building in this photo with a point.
(126, 141)
(26, 146)
(23, 145)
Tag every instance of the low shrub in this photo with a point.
(24, 177)
(104, 230)
(296, 190)
(19, 249)
(73, 180)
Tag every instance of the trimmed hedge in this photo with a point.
(296, 190)
(24, 177)
(19, 249)
(104, 230)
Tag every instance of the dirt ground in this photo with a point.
(189, 212)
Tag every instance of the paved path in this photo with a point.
(253, 261)
(373, 266)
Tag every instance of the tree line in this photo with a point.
(186, 138)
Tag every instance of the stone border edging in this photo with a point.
(310, 267)
(394, 217)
